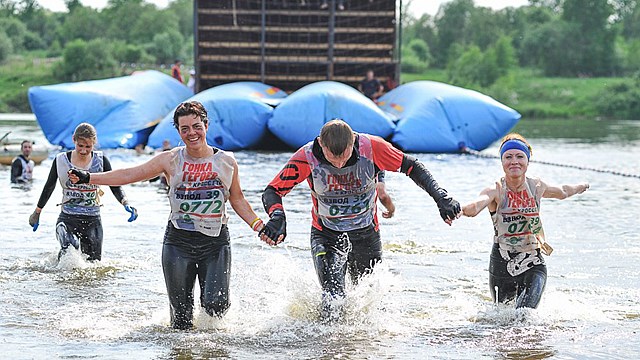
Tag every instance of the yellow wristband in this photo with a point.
(253, 223)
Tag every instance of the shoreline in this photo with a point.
(26, 117)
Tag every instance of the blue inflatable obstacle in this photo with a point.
(435, 117)
(299, 118)
(238, 114)
(124, 110)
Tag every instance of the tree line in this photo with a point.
(93, 44)
(479, 46)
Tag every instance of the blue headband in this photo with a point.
(514, 144)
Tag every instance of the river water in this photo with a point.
(428, 299)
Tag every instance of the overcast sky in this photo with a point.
(418, 7)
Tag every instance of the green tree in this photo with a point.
(633, 55)
(118, 15)
(526, 20)
(15, 30)
(421, 28)
(485, 27)
(546, 47)
(463, 70)
(592, 37)
(43, 23)
(505, 55)
(631, 24)
(167, 46)
(182, 10)
(452, 22)
(128, 53)
(621, 101)
(150, 23)
(82, 23)
(72, 5)
(6, 48)
(83, 60)
(33, 41)
(420, 49)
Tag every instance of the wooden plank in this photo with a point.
(294, 59)
(299, 29)
(294, 12)
(256, 77)
(284, 45)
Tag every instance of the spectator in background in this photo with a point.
(370, 86)
(175, 71)
(166, 145)
(192, 81)
(391, 83)
(22, 166)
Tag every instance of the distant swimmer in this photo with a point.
(202, 180)
(22, 166)
(517, 269)
(341, 168)
(79, 223)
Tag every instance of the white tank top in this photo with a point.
(199, 190)
(79, 199)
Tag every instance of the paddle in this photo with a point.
(5, 135)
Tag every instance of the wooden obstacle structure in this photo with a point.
(291, 43)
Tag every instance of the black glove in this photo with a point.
(449, 208)
(276, 226)
(83, 176)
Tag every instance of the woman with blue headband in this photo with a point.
(516, 268)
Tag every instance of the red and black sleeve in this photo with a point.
(293, 173)
(385, 156)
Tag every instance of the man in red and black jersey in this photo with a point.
(341, 168)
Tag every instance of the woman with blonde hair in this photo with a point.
(517, 269)
(79, 223)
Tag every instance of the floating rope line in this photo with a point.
(467, 151)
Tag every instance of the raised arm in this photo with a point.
(386, 157)
(564, 191)
(486, 197)
(154, 167)
(116, 190)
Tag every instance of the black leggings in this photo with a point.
(80, 231)
(526, 288)
(187, 254)
(333, 254)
